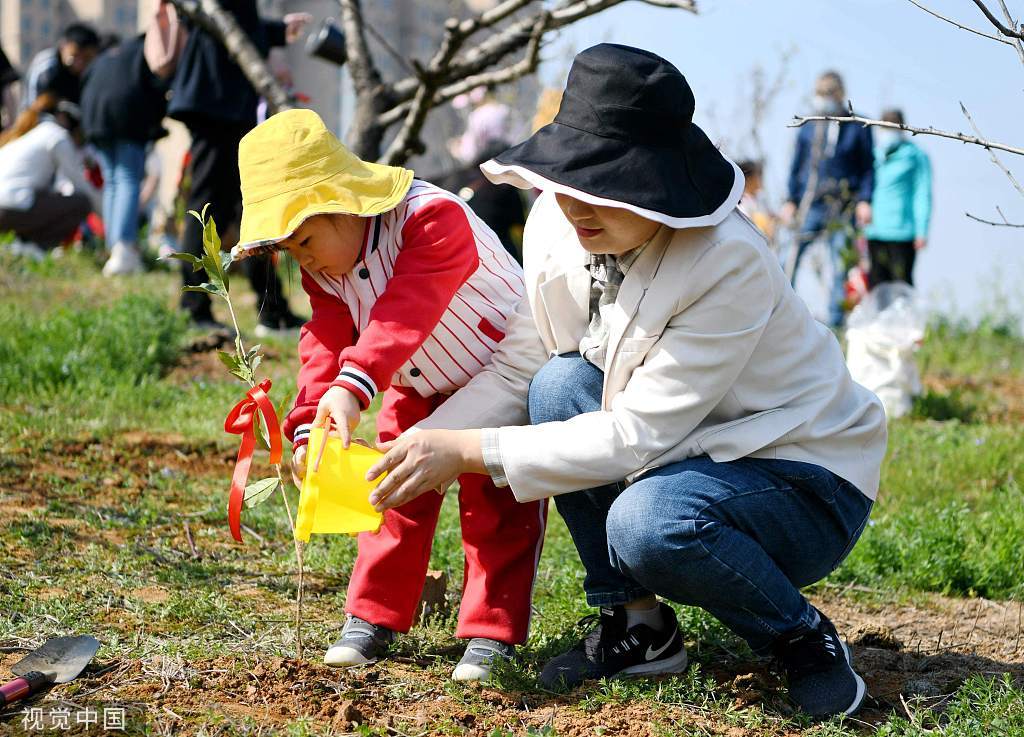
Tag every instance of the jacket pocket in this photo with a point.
(637, 345)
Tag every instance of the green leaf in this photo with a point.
(261, 433)
(235, 366)
(208, 288)
(230, 360)
(211, 242)
(282, 406)
(187, 258)
(259, 491)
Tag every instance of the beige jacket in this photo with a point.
(710, 352)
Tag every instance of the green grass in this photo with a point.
(982, 707)
(85, 359)
(109, 350)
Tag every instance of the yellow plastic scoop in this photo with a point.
(335, 496)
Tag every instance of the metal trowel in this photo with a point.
(58, 660)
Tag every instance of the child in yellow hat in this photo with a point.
(410, 293)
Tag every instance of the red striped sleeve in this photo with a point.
(438, 255)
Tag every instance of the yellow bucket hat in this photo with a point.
(292, 168)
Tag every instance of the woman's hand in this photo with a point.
(340, 406)
(423, 461)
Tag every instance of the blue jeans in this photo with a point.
(737, 539)
(123, 164)
(820, 217)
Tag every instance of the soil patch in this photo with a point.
(915, 653)
(1001, 396)
(201, 362)
(110, 469)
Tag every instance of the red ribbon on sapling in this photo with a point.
(241, 420)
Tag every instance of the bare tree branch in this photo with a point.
(491, 17)
(762, 97)
(1003, 224)
(212, 18)
(372, 95)
(526, 65)
(991, 153)
(1008, 32)
(516, 35)
(406, 141)
(1009, 19)
(361, 67)
(960, 25)
(452, 69)
(799, 120)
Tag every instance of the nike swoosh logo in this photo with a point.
(651, 653)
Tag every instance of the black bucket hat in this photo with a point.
(624, 137)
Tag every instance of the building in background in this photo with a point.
(29, 26)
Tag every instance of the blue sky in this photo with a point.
(890, 53)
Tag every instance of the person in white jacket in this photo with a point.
(44, 194)
(698, 429)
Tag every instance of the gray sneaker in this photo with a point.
(360, 643)
(819, 671)
(478, 662)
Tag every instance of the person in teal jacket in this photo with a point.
(901, 205)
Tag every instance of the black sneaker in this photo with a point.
(360, 643)
(612, 649)
(481, 654)
(819, 671)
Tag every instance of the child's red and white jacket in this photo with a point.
(424, 307)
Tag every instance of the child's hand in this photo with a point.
(340, 406)
(299, 465)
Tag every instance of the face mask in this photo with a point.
(886, 138)
(826, 105)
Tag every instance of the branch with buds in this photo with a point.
(799, 120)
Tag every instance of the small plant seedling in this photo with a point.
(255, 418)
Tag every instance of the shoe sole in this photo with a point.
(862, 689)
(467, 672)
(346, 657)
(676, 664)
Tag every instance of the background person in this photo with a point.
(59, 69)
(123, 103)
(498, 205)
(213, 98)
(901, 205)
(842, 161)
(699, 431)
(31, 205)
(752, 203)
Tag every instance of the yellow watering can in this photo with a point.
(335, 493)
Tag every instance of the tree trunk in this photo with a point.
(365, 137)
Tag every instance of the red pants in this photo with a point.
(501, 538)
